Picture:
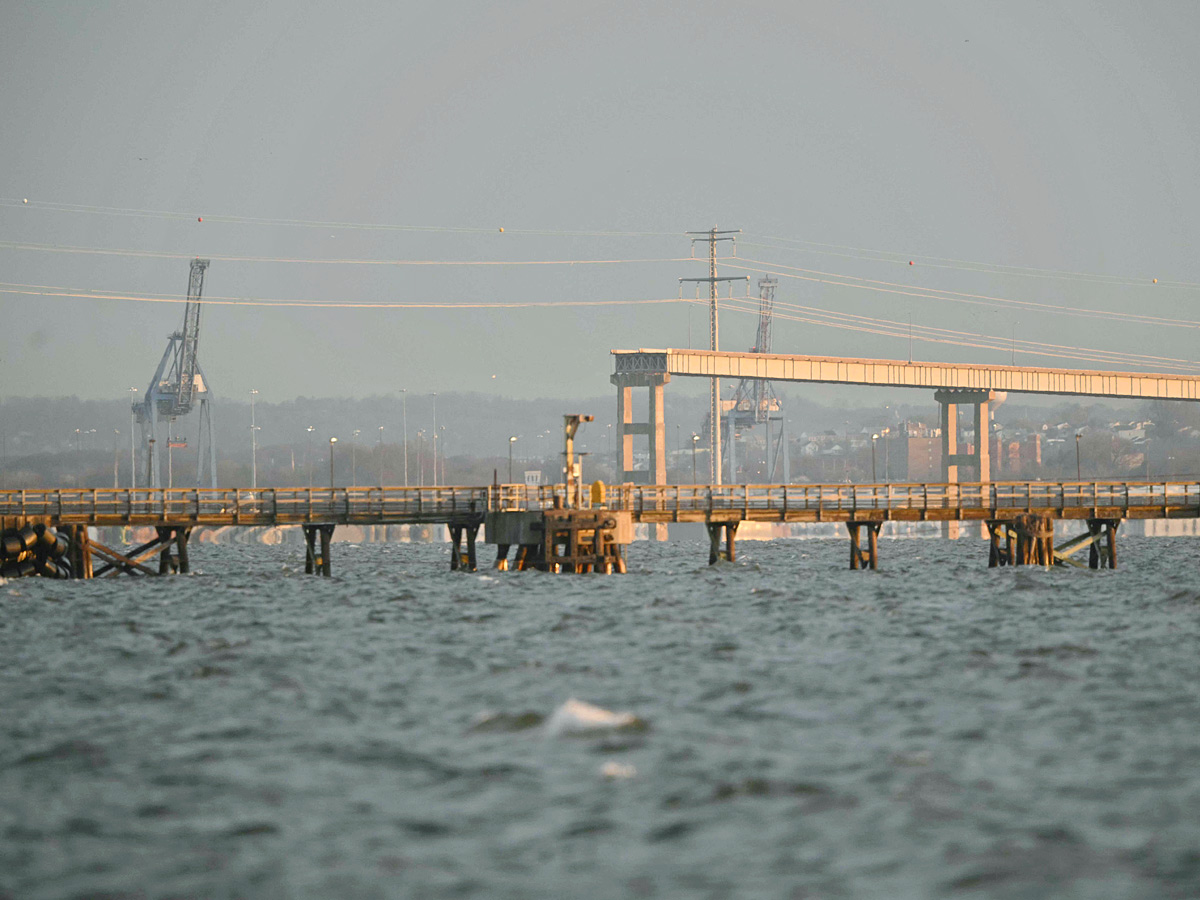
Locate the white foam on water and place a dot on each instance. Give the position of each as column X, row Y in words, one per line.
column 577, row 717
column 615, row 771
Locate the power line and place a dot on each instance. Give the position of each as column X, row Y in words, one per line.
column 898, row 257
column 162, row 254
column 51, row 291
column 51, row 206
column 891, row 287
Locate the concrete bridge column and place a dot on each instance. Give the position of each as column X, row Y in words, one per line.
column 655, row 429
column 978, row 460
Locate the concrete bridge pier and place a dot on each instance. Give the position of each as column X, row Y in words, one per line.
column 655, row 430
column 949, row 400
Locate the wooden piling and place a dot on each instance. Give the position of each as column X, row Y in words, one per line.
column 326, row 559
column 472, row 533
column 455, row 547
column 181, row 546
column 714, row 542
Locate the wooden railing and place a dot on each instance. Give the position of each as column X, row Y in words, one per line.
column 364, row 505
column 1007, row 495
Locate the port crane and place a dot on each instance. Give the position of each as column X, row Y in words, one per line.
column 755, row 401
column 179, row 386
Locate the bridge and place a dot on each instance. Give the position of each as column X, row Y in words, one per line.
column 1015, row 512
column 955, row 384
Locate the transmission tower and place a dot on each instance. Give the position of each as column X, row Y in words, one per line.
column 177, row 386
column 712, row 236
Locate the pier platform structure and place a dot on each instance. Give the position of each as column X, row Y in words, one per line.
column 557, row 528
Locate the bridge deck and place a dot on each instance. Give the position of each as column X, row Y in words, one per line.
column 899, row 373
column 646, row 503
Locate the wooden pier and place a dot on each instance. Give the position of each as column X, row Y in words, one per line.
column 555, row 527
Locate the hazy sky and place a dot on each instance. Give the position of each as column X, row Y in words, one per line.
column 1058, row 135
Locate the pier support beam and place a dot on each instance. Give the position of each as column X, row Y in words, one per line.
column 715, row 530
column 459, row 559
column 318, row 562
column 859, row 558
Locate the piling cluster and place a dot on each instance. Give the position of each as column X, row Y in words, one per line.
column 34, row 550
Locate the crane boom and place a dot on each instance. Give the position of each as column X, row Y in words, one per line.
column 186, row 360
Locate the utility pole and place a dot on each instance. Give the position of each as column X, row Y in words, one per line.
column 712, row 236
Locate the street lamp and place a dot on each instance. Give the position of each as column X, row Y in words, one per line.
column 512, row 439
column 695, row 441
column 353, row 460
column 332, row 441
column 308, row 455
column 253, row 443
column 132, row 439
column 421, row 457
column 435, row 432
column 381, row 456
column 404, row 410
column 442, row 444
column 1078, row 466
column 874, row 438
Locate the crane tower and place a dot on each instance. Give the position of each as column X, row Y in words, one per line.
column 755, row 402
column 178, row 386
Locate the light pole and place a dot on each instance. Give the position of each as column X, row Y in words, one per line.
column 132, row 439
column 404, row 411
column 421, row 457
column 253, row 443
column 332, row 441
column 78, row 459
column 511, row 440
column 170, row 453
column 695, row 441
column 442, row 444
column 381, row 456
column 116, row 460
column 435, row 438
column 308, row 454
column 874, row 438
column 1078, row 466
column 353, row 460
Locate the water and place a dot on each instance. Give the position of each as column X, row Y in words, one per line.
column 934, row 729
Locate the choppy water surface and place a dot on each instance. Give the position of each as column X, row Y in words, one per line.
column 933, row 729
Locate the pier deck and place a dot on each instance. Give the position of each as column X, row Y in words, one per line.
column 645, row 503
